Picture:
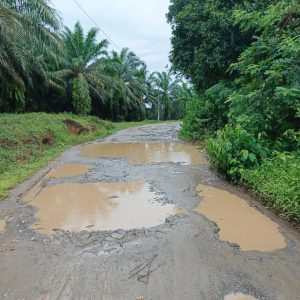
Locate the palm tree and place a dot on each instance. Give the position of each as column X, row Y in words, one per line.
column 165, row 90
column 182, row 94
column 27, row 35
column 83, row 67
column 128, row 73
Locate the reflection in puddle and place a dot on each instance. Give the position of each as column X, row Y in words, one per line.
column 239, row 296
column 238, row 222
column 144, row 153
column 97, row 206
column 69, row 170
column 2, row 225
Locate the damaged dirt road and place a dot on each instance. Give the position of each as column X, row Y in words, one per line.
column 139, row 215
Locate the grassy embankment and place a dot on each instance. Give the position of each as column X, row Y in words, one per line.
column 277, row 182
column 29, row 141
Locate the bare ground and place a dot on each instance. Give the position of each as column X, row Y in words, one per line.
column 181, row 259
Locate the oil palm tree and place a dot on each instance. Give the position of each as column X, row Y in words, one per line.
column 182, row 94
column 128, row 73
column 83, row 67
column 165, row 88
column 27, row 35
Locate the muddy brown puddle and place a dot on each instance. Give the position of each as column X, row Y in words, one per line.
column 145, row 153
column 69, row 170
column 98, row 206
column 238, row 222
column 239, row 296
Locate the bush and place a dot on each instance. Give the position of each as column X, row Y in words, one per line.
column 207, row 114
column 277, row 180
column 235, row 149
column 194, row 125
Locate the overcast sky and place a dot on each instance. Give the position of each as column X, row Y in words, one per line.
column 137, row 24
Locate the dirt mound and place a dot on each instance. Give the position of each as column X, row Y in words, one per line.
column 76, row 128
column 48, row 139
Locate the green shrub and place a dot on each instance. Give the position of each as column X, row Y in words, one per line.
column 289, row 141
column 207, row 114
column 194, row 125
column 277, row 180
column 235, row 149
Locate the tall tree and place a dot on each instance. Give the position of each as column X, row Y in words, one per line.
column 165, row 88
column 128, row 73
column 24, row 24
column 83, row 67
column 182, row 95
column 205, row 39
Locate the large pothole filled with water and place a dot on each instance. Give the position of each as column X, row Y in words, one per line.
column 77, row 207
column 145, row 153
column 69, row 170
column 238, row 222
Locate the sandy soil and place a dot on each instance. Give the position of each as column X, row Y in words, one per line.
column 183, row 258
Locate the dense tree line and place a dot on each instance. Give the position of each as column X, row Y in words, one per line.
column 45, row 66
column 243, row 57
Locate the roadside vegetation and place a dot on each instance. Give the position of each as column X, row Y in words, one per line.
column 29, row 141
column 243, row 58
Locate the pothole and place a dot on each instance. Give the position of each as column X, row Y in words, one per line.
column 98, row 206
column 239, row 296
column 238, row 222
column 145, row 153
column 69, row 170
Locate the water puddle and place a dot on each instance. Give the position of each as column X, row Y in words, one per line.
column 98, row 206
column 144, row 153
column 238, row 222
column 2, row 225
column 239, row 296
column 69, row 170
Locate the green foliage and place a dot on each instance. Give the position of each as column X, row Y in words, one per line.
column 206, row 114
column 183, row 93
column 277, row 181
column 235, row 149
column 269, row 76
column 166, row 90
column 205, row 39
column 82, row 67
column 125, row 95
column 24, row 23
column 195, row 121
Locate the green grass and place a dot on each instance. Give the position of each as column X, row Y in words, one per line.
column 29, row 141
column 277, row 181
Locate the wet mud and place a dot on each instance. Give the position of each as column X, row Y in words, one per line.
column 145, row 153
column 238, row 222
column 98, row 206
column 239, row 296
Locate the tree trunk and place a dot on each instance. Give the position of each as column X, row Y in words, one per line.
column 158, row 110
